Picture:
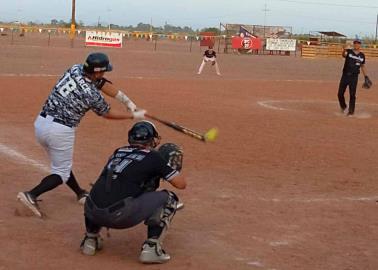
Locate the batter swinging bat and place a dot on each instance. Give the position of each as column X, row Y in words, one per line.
column 209, row 136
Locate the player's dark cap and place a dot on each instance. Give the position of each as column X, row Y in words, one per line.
column 357, row 41
column 97, row 62
column 143, row 132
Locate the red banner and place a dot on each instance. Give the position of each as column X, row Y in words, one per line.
column 207, row 39
column 247, row 43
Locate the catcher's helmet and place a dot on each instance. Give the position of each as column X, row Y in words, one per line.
column 97, row 62
column 144, row 132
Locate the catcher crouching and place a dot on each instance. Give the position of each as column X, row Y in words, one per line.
column 125, row 194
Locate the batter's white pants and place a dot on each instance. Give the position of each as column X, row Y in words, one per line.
column 58, row 141
column 205, row 59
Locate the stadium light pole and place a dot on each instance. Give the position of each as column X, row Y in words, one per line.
column 376, row 31
column 73, row 26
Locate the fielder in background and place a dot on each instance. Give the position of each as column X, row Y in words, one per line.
column 76, row 92
column 125, row 194
column 209, row 56
column 354, row 61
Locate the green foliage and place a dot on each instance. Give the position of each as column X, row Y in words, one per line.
column 214, row 30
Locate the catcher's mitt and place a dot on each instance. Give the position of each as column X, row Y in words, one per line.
column 367, row 83
column 172, row 154
column 213, row 63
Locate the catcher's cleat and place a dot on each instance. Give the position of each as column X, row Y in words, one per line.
column 30, row 202
column 82, row 197
column 153, row 253
column 90, row 244
column 179, row 206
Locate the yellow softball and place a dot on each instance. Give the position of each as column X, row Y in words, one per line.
column 211, row 135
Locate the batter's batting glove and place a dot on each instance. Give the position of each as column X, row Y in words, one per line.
column 139, row 114
column 367, row 83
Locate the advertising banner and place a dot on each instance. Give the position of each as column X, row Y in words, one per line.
column 103, row 39
column 275, row 44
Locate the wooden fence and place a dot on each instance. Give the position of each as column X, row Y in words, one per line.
column 312, row 51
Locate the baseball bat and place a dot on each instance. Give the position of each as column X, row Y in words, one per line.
column 208, row 136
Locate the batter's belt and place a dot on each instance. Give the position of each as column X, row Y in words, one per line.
column 55, row 120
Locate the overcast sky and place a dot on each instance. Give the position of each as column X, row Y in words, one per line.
column 349, row 17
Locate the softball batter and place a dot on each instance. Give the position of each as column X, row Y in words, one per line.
column 76, row 92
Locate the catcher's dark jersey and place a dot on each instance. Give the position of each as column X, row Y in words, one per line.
column 132, row 169
column 73, row 95
column 353, row 62
column 210, row 54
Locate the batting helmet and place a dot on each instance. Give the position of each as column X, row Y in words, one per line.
column 144, row 132
column 97, row 62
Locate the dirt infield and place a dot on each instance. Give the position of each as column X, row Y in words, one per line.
column 290, row 183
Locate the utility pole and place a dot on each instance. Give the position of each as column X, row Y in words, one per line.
column 265, row 11
column 73, row 25
column 109, row 10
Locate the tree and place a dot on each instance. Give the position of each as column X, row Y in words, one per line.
column 214, row 30
column 54, row 21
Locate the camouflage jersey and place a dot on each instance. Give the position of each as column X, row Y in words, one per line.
column 73, row 95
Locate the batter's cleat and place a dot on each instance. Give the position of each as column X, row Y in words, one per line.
column 153, row 253
column 82, row 197
column 90, row 244
column 30, row 202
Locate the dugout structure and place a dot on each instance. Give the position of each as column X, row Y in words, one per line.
column 326, row 37
column 230, row 30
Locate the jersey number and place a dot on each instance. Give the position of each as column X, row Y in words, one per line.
column 120, row 165
column 68, row 85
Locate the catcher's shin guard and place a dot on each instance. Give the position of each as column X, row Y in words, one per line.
column 163, row 216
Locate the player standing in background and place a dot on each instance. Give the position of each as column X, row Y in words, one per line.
column 209, row 56
column 125, row 194
column 354, row 61
column 76, row 92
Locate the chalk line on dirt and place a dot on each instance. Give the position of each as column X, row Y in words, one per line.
column 54, row 75
column 322, row 200
column 279, row 105
column 19, row 157
column 152, row 77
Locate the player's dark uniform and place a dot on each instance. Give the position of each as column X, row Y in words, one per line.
column 351, row 70
column 210, row 54
column 124, row 195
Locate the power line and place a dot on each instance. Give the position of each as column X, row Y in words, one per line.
column 327, row 4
